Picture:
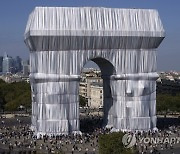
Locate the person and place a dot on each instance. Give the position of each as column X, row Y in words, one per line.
column 72, row 150
column 79, row 149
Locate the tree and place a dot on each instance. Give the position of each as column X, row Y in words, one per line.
column 112, row 144
column 12, row 95
column 168, row 103
column 82, row 101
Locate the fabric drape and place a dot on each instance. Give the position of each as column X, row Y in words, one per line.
column 62, row 40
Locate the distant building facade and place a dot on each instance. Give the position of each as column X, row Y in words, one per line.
column 90, row 83
column 1, row 63
column 8, row 66
column 26, row 69
column 18, row 64
column 96, row 95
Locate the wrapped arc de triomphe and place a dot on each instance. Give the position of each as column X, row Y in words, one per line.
column 122, row 42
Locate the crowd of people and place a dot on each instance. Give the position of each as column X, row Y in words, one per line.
column 16, row 136
column 159, row 141
column 20, row 139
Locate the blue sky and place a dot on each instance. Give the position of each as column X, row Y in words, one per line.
column 14, row 15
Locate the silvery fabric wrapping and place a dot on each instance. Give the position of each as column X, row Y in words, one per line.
column 122, row 42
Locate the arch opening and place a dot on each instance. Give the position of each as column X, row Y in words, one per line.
column 95, row 83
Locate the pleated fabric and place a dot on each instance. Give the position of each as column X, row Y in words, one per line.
column 122, row 42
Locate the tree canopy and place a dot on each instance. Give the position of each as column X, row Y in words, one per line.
column 82, row 101
column 112, row 144
column 12, row 95
column 168, row 103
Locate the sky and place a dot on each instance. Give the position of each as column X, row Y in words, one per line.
column 14, row 15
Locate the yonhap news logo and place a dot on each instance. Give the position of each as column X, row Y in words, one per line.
column 129, row 140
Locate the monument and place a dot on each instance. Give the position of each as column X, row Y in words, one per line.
column 122, row 42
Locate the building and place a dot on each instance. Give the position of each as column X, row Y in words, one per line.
column 83, row 90
column 85, row 86
column 18, row 64
column 126, row 56
column 1, row 63
column 26, row 68
column 8, row 66
column 96, row 95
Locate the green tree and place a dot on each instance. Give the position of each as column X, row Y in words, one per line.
column 82, row 101
column 12, row 95
column 112, row 144
column 168, row 103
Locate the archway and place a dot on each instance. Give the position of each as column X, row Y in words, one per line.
column 107, row 70
column 61, row 40
column 96, row 89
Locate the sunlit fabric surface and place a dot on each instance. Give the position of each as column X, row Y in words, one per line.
column 122, row 42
